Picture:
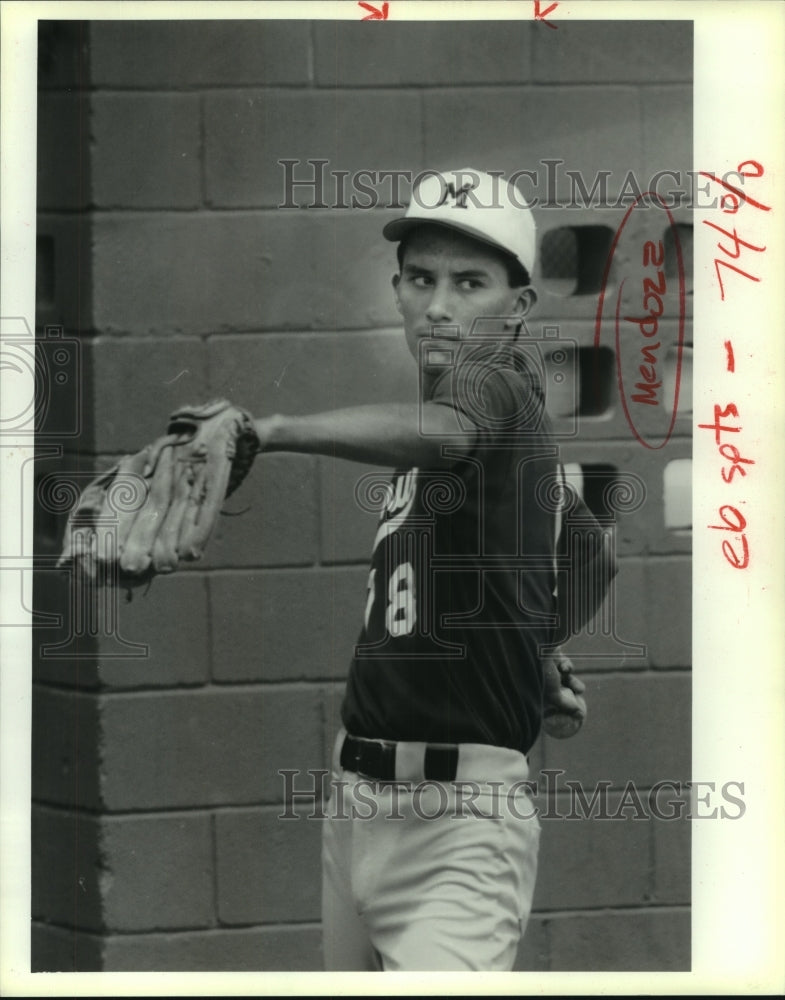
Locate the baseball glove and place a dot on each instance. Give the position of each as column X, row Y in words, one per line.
column 158, row 507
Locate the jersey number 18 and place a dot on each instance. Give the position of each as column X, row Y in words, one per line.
column 401, row 615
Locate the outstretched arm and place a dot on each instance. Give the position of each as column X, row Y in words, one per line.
column 392, row 434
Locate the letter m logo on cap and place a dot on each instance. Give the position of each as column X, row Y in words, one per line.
column 459, row 196
column 492, row 211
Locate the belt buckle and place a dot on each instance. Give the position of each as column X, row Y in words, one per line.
column 355, row 756
column 367, row 757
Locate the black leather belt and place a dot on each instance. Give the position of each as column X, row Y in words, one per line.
column 376, row 759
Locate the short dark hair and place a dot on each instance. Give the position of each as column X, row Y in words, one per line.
column 517, row 275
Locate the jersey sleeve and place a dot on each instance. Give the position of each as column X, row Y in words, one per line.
column 500, row 402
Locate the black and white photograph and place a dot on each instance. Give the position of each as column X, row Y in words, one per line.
column 394, row 413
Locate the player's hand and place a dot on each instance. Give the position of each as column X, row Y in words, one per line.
column 564, row 708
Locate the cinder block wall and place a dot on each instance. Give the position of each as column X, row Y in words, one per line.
column 157, row 742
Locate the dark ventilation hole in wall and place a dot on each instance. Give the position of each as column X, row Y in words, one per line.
column 596, row 380
column 578, row 381
column 44, row 271
column 598, row 482
column 573, row 258
column 594, row 245
column 595, row 483
column 559, row 261
column 684, row 235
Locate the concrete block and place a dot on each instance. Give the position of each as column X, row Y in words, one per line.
column 308, row 373
column 166, row 374
column 55, row 949
column 613, row 639
column 613, row 51
column 247, row 133
column 258, row 949
column 632, row 941
column 66, row 878
column 219, row 272
column 61, row 655
column 208, row 748
column 274, row 518
column 591, row 862
column 65, row 742
column 672, row 865
column 667, row 135
column 63, row 150
column 534, row 949
column 668, row 589
column 347, row 530
column 586, row 129
column 268, row 869
column 638, row 728
column 157, row 639
column 421, row 53
column 332, row 699
column 285, row 625
column 637, row 494
column 171, row 620
column 146, row 150
column 182, row 53
column 158, row 872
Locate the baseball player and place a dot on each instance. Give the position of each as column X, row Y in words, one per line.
column 430, row 848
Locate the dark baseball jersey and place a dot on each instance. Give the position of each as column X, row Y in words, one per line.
column 460, row 591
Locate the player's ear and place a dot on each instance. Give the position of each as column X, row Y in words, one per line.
column 524, row 302
column 396, row 282
column 527, row 298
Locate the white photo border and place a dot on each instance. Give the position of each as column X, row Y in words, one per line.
column 738, row 868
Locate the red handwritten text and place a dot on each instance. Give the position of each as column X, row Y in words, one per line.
column 730, row 202
column 540, row 15
column 730, row 360
column 726, row 421
column 733, row 520
column 648, row 325
column 376, row 14
column 637, row 324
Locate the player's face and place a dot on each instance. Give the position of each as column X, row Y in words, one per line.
column 450, row 280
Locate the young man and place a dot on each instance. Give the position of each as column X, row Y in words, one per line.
column 430, row 850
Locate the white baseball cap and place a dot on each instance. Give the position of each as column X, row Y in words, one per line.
column 486, row 207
